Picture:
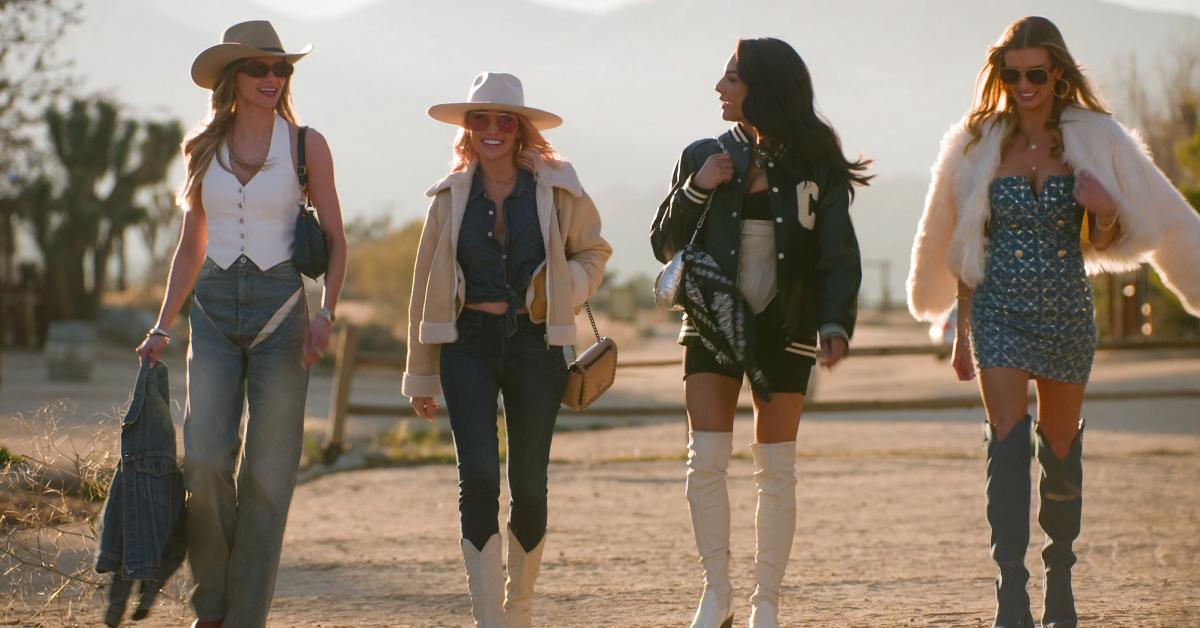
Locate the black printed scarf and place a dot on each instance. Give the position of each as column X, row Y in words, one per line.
column 716, row 308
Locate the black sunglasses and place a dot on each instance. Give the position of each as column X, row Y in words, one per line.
column 1037, row 76
column 258, row 69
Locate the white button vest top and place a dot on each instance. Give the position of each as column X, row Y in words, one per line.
column 257, row 219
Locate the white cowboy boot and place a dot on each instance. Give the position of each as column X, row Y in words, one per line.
column 708, row 499
column 523, row 570
column 774, row 525
column 485, row 581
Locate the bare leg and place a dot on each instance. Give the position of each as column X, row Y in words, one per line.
column 711, row 403
column 1059, row 405
column 777, row 420
column 1005, row 393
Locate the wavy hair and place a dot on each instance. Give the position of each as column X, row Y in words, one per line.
column 201, row 147
column 779, row 103
column 532, row 148
column 992, row 102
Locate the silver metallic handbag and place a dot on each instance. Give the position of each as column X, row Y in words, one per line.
column 670, row 279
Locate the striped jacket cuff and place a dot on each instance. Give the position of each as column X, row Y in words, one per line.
column 694, row 193
column 802, row 348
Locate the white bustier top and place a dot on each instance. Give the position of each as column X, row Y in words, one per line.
column 257, row 219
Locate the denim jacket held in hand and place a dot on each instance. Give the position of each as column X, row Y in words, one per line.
column 144, row 510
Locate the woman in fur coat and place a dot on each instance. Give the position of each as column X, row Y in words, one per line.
column 1035, row 189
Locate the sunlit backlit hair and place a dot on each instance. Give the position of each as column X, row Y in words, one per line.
column 200, row 148
column 992, row 101
column 779, row 103
column 531, row 148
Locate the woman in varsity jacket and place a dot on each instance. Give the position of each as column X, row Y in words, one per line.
column 777, row 190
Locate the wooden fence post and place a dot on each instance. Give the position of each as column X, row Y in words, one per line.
column 343, row 377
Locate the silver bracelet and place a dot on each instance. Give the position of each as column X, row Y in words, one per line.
column 158, row 331
column 326, row 314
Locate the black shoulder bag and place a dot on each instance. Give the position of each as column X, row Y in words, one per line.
column 310, row 253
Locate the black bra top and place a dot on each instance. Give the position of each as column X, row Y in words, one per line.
column 756, row 206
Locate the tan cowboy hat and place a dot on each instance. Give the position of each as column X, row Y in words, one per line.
column 256, row 38
column 494, row 91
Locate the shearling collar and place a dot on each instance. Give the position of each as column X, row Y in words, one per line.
column 561, row 175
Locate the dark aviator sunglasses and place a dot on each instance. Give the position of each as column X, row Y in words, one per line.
column 258, row 69
column 1037, row 76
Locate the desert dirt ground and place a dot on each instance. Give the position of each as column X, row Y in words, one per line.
column 891, row 533
column 891, row 527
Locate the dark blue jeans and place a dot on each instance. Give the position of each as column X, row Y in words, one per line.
column 483, row 364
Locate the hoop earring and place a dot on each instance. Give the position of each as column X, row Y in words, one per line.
column 1066, row 90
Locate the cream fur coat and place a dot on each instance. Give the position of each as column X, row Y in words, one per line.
column 1157, row 223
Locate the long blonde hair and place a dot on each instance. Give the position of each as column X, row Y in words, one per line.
column 991, row 98
column 201, row 147
column 532, row 148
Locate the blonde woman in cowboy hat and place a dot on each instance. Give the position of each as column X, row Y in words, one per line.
column 251, row 338
column 510, row 250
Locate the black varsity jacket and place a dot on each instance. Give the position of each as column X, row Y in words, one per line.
column 818, row 266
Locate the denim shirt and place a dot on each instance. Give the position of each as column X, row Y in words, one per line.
column 144, row 509
column 495, row 270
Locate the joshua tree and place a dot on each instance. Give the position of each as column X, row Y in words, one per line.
column 30, row 75
column 78, row 220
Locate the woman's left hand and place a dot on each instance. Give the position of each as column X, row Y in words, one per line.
column 317, row 341
column 1091, row 194
column 833, row 350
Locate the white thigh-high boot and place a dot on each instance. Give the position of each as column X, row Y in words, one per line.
column 523, row 570
column 774, row 525
column 708, row 499
column 485, row 581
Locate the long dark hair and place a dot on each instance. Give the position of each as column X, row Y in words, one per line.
column 779, row 103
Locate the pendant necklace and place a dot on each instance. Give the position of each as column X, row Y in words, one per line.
column 1033, row 147
column 762, row 156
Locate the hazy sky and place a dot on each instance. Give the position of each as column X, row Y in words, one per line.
column 318, row 9
column 388, row 150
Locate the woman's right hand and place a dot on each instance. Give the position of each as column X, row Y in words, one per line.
column 717, row 169
column 964, row 366
column 151, row 348
column 425, row 408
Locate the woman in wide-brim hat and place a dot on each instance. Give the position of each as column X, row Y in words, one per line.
column 510, row 250
column 251, row 338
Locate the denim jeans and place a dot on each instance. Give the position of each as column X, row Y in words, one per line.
column 247, row 336
column 482, row 364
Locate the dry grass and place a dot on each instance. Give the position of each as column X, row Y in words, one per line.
column 51, row 497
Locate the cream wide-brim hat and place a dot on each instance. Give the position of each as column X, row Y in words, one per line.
column 241, row 41
column 494, row 91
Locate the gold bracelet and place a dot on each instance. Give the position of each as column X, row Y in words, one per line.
column 964, row 297
column 1110, row 225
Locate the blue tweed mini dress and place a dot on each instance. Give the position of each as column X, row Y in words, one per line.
column 1033, row 310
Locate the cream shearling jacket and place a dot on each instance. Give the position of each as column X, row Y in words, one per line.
column 1157, row 224
column 574, row 267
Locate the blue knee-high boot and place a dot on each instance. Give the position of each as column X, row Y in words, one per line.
column 1060, row 494
column 1008, row 515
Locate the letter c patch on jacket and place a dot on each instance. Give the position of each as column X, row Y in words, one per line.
column 806, row 192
